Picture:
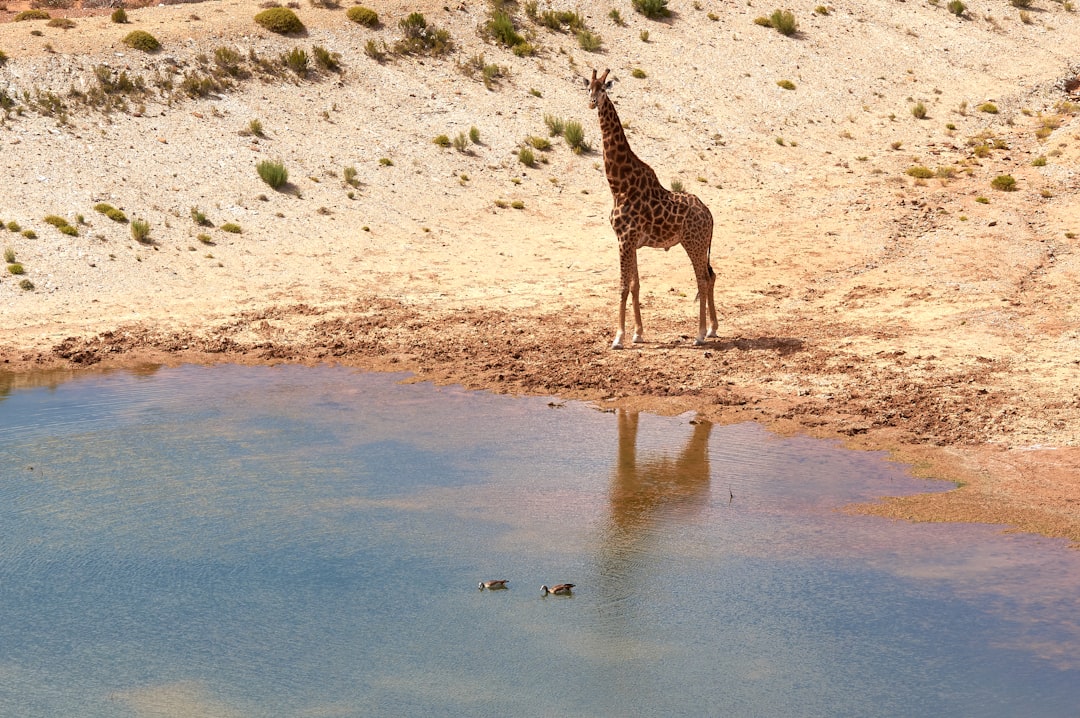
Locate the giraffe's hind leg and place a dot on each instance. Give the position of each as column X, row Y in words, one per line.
column 706, row 281
column 715, row 325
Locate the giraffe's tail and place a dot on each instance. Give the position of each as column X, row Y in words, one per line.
column 712, row 276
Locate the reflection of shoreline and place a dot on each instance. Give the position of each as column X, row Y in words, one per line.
column 53, row 378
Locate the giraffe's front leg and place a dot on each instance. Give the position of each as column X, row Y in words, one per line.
column 628, row 285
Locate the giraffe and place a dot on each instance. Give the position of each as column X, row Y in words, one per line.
column 648, row 215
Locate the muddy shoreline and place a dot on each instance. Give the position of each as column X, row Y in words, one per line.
column 1029, row 489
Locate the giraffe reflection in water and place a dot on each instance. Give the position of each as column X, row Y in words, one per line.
column 651, row 493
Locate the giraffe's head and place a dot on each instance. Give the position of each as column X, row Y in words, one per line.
column 597, row 86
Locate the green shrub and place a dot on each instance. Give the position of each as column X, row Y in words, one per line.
column 638, row 73
column 231, row 228
column 574, row 134
column 13, row 226
column 540, row 143
column 199, row 218
column 920, row 172
column 363, row 15
column 375, row 50
column 652, row 9
column 26, row 284
column 273, row 173
column 9, row 255
column 16, row 268
column 474, row 135
column 461, row 142
column 419, row 38
column 64, row 23
column 989, row 108
column 555, row 125
column 822, row 10
column 589, row 41
column 501, row 27
column 31, row 15
column 297, row 61
column 783, row 21
column 442, row 141
column 1039, row 161
column 330, row 61
column 281, row 20
column 140, row 231
column 956, row 7
column 786, row 84
column 526, row 157
column 142, row 40
column 1004, row 183
column 918, row 111
column 119, row 16
column 255, row 127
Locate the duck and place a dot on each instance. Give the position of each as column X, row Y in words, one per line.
column 562, row 589
column 495, row 584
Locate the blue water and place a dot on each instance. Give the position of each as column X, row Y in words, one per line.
column 291, row 541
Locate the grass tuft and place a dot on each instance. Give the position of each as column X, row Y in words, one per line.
column 273, row 173
column 140, row 231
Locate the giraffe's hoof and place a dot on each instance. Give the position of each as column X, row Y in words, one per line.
column 638, row 339
column 711, row 334
column 616, row 344
column 699, row 342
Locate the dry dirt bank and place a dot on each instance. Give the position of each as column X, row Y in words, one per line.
column 935, row 317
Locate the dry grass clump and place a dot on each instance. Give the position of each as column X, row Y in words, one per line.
column 61, row 224
column 783, row 21
column 111, row 212
column 281, row 20
column 64, row 23
column 489, row 73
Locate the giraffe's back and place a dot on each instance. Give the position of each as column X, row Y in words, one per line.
column 663, row 219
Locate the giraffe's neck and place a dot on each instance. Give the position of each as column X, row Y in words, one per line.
column 625, row 172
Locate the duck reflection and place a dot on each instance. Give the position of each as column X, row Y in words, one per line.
column 652, row 493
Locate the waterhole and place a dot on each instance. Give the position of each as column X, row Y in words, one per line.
column 294, row 541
